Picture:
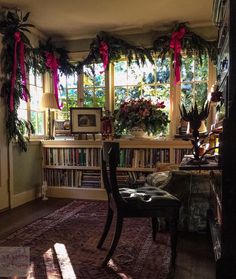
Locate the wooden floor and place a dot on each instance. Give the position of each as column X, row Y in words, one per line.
column 195, row 258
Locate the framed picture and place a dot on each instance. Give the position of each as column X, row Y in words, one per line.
column 85, row 120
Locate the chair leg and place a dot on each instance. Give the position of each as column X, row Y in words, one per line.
column 154, row 227
column 106, row 228
column 119, row 223
column 173, row 234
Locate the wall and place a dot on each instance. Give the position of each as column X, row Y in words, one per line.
column 25, row 173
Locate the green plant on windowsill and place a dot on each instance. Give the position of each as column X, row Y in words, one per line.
column 141, row 114
column 195, row 117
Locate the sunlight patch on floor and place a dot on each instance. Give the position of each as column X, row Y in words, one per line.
column 66, row 267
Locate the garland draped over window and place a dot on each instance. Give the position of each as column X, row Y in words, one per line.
column 18, row 54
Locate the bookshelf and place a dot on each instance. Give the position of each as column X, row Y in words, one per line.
column 72, row 167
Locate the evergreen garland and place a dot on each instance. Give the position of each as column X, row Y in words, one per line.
column 39, row 58
column 116, row 48
column 191, row 44
column 10, row 23
column 14, row 21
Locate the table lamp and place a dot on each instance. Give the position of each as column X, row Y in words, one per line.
column 48, row 102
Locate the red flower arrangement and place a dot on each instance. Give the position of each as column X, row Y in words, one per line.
column 142, row 114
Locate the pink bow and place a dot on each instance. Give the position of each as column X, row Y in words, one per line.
column 103, row 50
column 22, row 66
column 52, row 63
column 176, row 45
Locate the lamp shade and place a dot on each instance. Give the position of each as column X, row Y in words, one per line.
column 48, row 101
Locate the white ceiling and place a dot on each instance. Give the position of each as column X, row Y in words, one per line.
column 74, row 19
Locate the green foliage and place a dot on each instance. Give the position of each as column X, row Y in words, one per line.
column 141, row 114
column 11, row 22
column 194, row 115
column 116, row 48
column 191, row 44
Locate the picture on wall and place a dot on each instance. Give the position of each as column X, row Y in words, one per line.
column 85, row 120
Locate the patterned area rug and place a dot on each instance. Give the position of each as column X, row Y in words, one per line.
column 63, row 245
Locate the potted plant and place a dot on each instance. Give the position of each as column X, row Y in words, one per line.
column 195, row 117
column 141, row 115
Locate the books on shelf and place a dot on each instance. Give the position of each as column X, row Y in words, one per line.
column 76, row 167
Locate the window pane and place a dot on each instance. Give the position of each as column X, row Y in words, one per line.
column 39, row 80
column 187, row 69
column 163, row 95
column 31, row 78
column 120, row 95
column 72, row 81
column 134, row 92
column 37, row 120
column 62, row 80
column 187, row 94
column 120, row 76
column 201, row 70
column 200, row 93
column 163, row 70
column 135, row 74
column 99, row 98
column 88, row 97
column 22, row 113
column 94, row 75
column 147, row 71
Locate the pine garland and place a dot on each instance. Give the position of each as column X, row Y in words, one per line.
column 10, row 23
column 116, row 48
column 191, row 44
column 14, row 21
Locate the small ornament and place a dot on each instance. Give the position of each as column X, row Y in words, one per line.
column 44, row 190
column 107, row 125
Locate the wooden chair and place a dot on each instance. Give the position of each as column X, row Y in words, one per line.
column 141, row 202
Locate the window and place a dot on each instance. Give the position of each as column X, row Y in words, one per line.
column 31, row 111
column 194, row 82
column 94, row 85
column 147, row 81
column 36, row 91
column 68, row 90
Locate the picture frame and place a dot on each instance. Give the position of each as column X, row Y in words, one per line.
column 85, row 120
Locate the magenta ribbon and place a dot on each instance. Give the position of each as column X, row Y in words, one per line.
column 176, row 45
column 22, row 66
column 103, row 50
column 53, row 63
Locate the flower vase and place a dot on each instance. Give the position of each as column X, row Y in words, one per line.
column 138, row 132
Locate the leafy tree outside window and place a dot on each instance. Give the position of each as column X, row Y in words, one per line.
column 94, row 85
column 68, row 88
column 145, row 81
column 194, row 81
column 35, row 115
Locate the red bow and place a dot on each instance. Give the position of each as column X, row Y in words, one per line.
column 22, row 66
column 176, row 45
column 53, row 63
column 103, row 50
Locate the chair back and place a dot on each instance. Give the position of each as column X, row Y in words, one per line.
column 110, row 160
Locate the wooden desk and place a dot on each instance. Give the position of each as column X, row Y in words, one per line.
column 212, row 164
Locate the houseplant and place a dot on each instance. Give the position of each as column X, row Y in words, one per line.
column 195, row 117
column 141, row 115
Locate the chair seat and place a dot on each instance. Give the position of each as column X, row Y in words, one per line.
column 148, row 197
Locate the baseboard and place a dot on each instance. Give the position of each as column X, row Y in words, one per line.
column 24, row 197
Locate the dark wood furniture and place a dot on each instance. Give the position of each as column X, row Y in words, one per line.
column 140, row 202
column 212, row 164
column 225, row 16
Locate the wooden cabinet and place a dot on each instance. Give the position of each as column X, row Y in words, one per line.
column 224, row 15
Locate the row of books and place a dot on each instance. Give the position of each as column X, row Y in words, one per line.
column 148, row 157
column 72, row 156
column 72, row 178
column 179, row 154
